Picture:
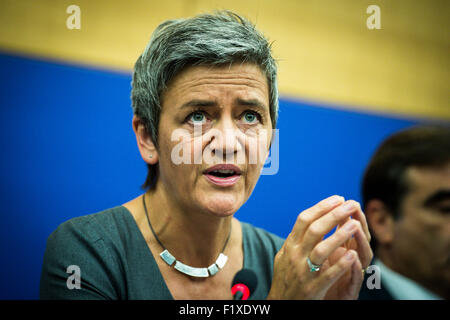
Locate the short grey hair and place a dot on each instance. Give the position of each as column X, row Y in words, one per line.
column 207, row 39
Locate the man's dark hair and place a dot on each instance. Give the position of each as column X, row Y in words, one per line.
column 384, row 178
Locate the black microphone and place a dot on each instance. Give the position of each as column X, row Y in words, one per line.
column 244, row 284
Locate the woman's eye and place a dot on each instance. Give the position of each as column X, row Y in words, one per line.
column 197, row 118
column 250, row 117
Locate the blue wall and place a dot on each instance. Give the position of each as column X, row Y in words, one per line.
column 68, row 149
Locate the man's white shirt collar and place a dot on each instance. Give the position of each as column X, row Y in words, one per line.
column 402, row 288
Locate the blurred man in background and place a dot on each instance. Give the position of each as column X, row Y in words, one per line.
column 406, row 196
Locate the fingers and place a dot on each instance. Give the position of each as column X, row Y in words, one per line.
column 292, row 276
column 306, row 217
column 320, row 227
column 334, row 272
column 363, row 237
column 356, row 280
column 364, row 250
column 325, row 247
column 361, row 217
column 350, row 228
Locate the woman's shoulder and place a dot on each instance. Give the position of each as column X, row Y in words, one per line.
column 100, row 225
column 258, row 237
column 105, row 233
column 260, row 248
column 96, row 245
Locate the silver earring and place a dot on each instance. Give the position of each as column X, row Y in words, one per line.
column 150, row 156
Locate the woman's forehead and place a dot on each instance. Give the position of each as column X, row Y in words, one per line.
column 206, row 81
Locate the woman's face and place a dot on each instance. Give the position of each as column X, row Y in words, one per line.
column 212, row 116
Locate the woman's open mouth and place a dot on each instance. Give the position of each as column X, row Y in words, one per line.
column 223, row 175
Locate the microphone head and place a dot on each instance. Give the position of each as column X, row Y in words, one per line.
column 246, row 277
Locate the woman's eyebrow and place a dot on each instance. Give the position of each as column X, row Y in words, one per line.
column 212, row 103
column 251, row 103
column 199, row 103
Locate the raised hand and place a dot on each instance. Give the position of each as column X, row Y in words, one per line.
column 341, row 257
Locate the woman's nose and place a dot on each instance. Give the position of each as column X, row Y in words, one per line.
column 226, row 139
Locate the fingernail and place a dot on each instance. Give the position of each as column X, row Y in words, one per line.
column 349, row 255
column 349, row 206
column 349, row 226
column 334, row 200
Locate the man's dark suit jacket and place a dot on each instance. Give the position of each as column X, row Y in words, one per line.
column 373, row 294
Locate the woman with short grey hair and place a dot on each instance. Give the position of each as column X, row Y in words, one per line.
column 205, row 102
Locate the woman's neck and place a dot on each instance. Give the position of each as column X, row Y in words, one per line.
column 193, row 237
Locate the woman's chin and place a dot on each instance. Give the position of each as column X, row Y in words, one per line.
column 222, row 205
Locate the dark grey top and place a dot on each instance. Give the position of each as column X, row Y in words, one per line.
column 116, row 263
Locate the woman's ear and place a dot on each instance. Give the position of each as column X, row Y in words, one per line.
column 381, row 221
column 144, row 141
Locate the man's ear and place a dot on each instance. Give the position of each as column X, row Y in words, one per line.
column 144, row 141
column 381, row 221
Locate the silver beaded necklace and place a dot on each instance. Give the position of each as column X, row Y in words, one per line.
column 184, row 268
